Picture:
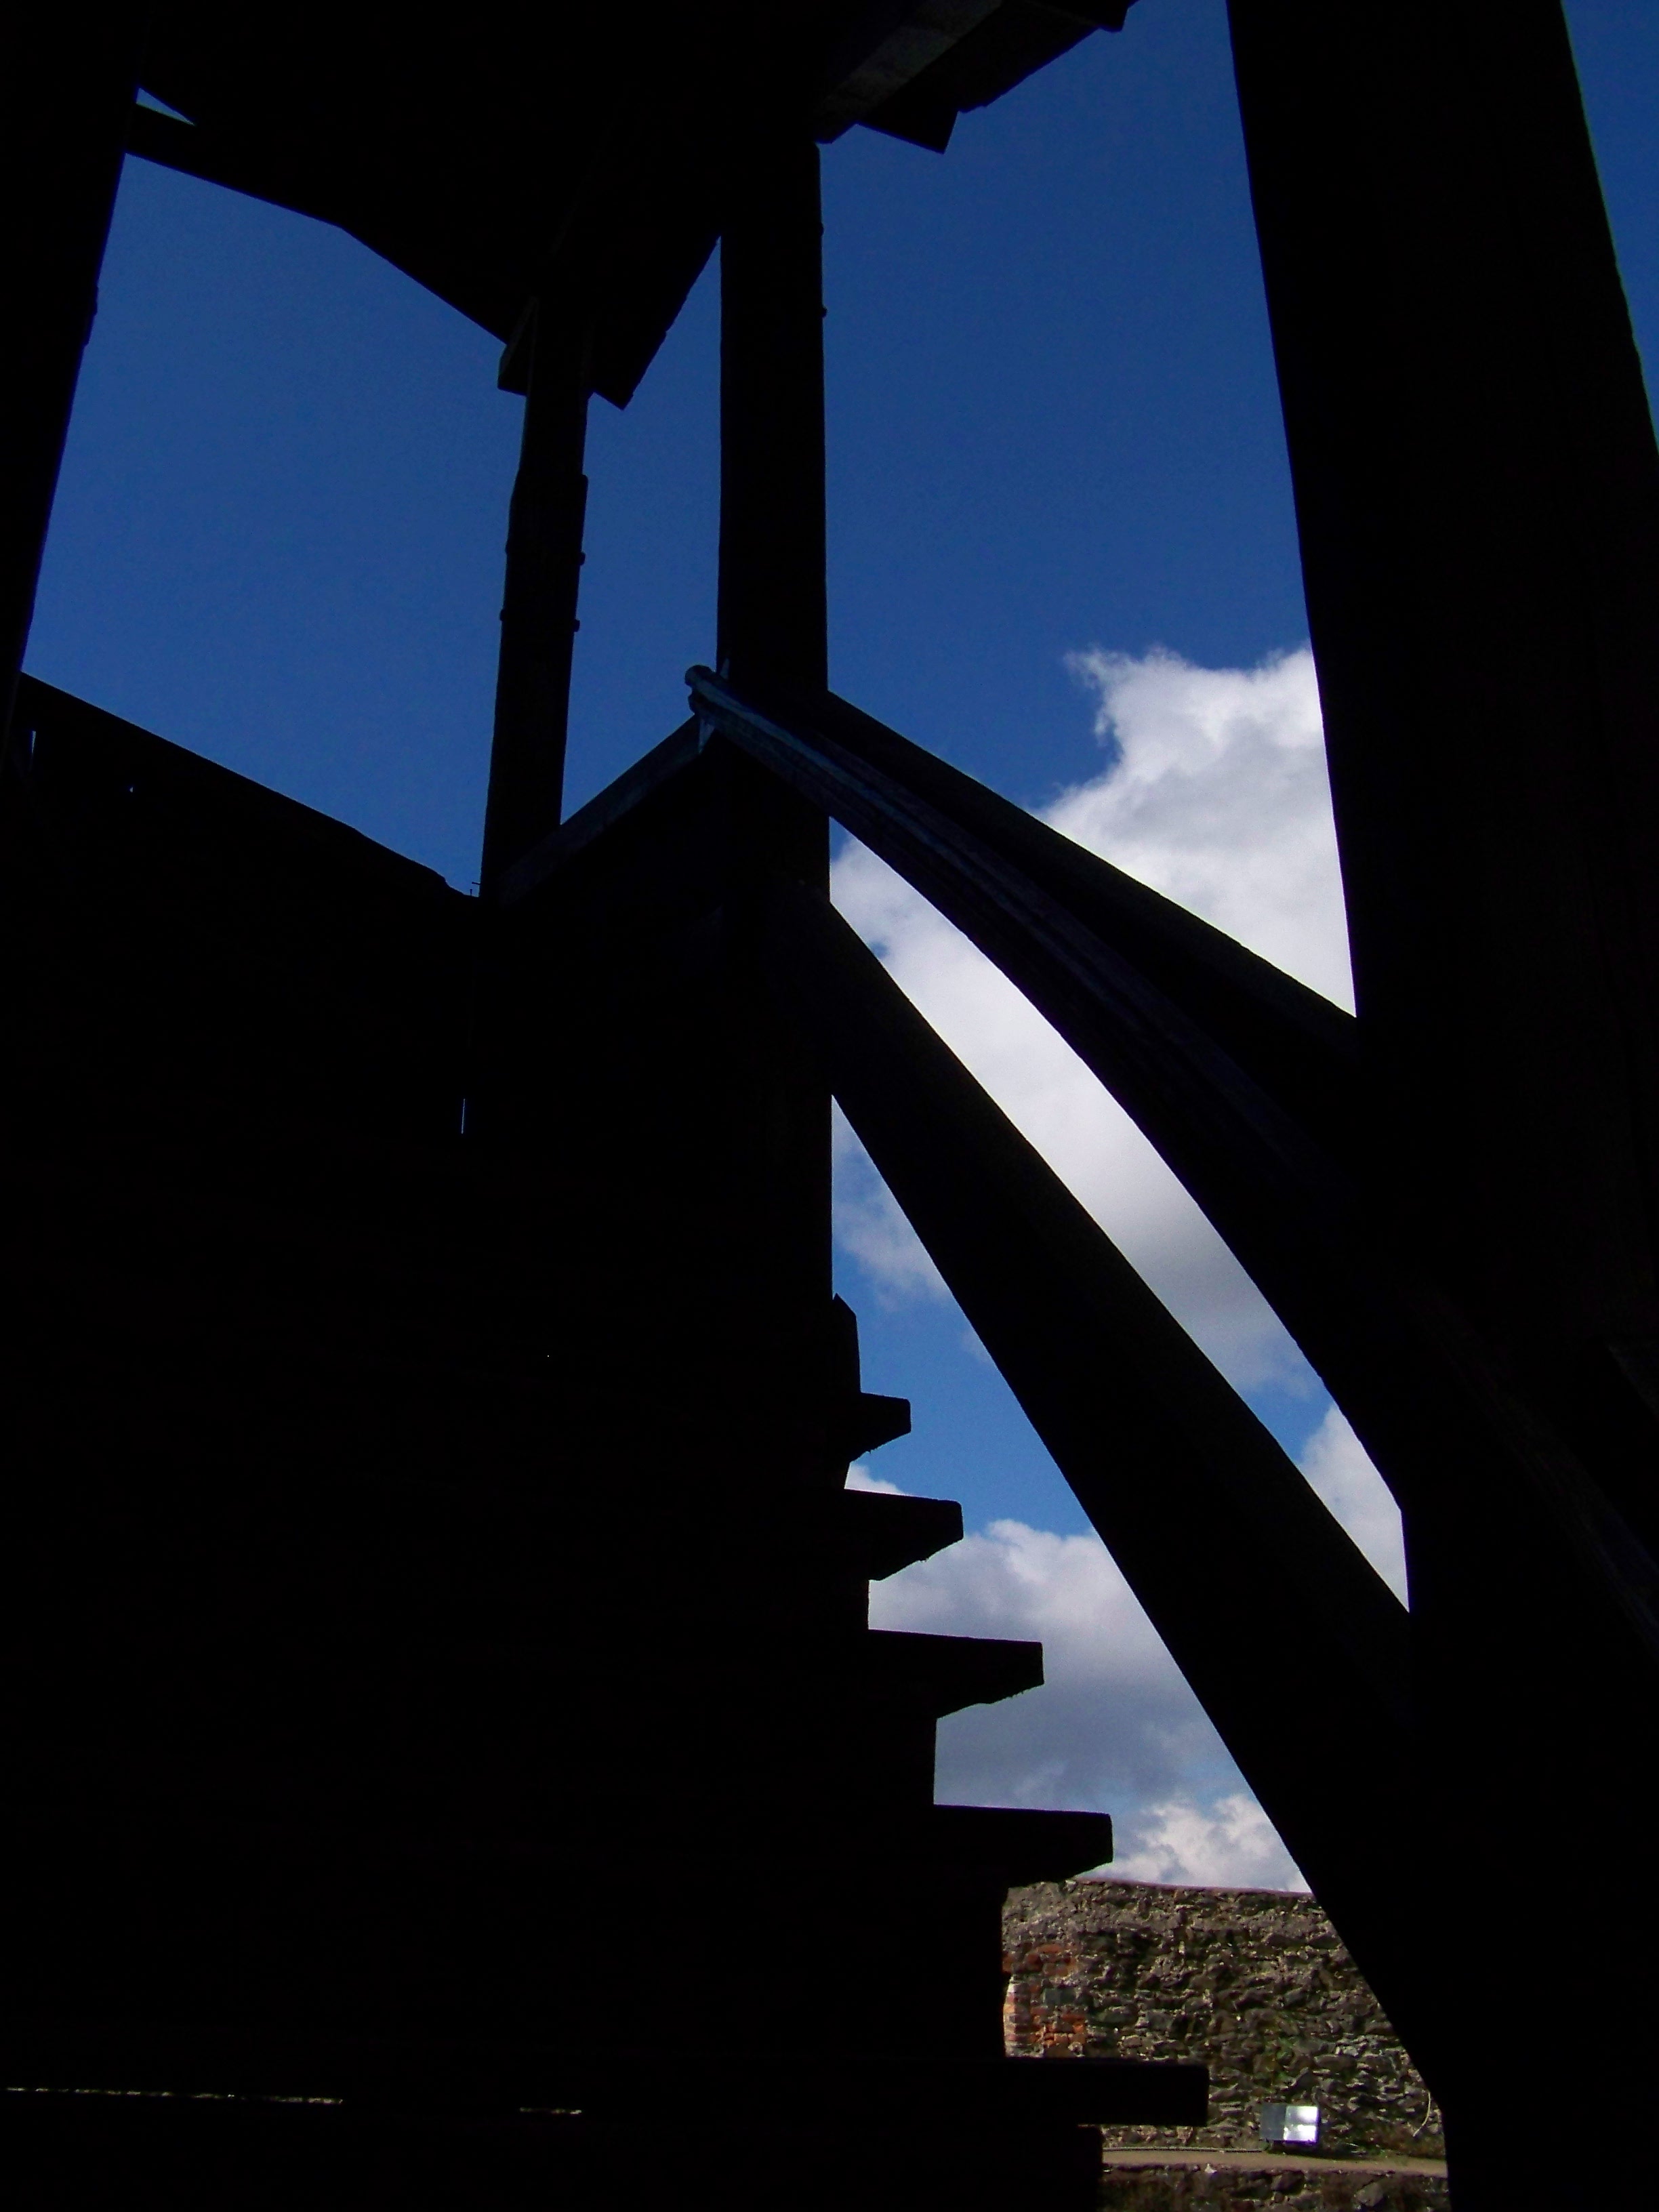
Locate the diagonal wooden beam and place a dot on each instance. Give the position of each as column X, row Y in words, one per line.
column 1301, row 1049
column 1289, row 1639
column 1535, row 1602
column 1465, row 1429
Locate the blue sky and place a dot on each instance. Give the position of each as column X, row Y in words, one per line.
column 1052, row 427
column 1052, row 423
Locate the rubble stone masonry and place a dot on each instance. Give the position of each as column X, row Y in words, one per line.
column 1252, row 1981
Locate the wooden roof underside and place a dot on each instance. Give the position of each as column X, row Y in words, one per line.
column 571, row 150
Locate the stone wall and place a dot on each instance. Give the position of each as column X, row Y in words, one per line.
column 1252, row 1981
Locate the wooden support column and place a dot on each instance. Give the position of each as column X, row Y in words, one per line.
column 772, row 612
column 539, row 607
column 1477, row 489
column 1478, row 495
column 67, row 80
column 771, row 619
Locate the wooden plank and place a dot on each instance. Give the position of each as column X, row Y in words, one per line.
column 944, row 1675
column 624, row 224
column 1022, row 1844
column 1009, row 43
column 882, row 1533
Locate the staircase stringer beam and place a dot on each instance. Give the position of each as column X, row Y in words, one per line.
column 1242, row 1570
column 1463, row 1435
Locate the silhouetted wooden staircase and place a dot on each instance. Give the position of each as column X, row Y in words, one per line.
column 450, row 1751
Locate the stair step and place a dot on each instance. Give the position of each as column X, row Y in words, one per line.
column 943, row 1674
column 882, row 1532
column 864, row 1419
column 1022, row 1845
column 868, row 1420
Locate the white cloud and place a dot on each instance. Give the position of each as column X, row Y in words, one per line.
column 1113, row 1729
column 1335, row 1463
column 860, row 1477
column 1218, row 797
column 1231, row 1844
column 1215, row 793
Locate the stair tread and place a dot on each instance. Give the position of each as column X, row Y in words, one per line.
column 884, row 1533
column 1026, row 1844
column 943, row 1674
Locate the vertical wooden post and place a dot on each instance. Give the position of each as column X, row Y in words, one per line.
column 1478, row 495
column 772, row 624
column 68, row 76
column 538, row 608
column 772, row 608
column 1477, row 490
